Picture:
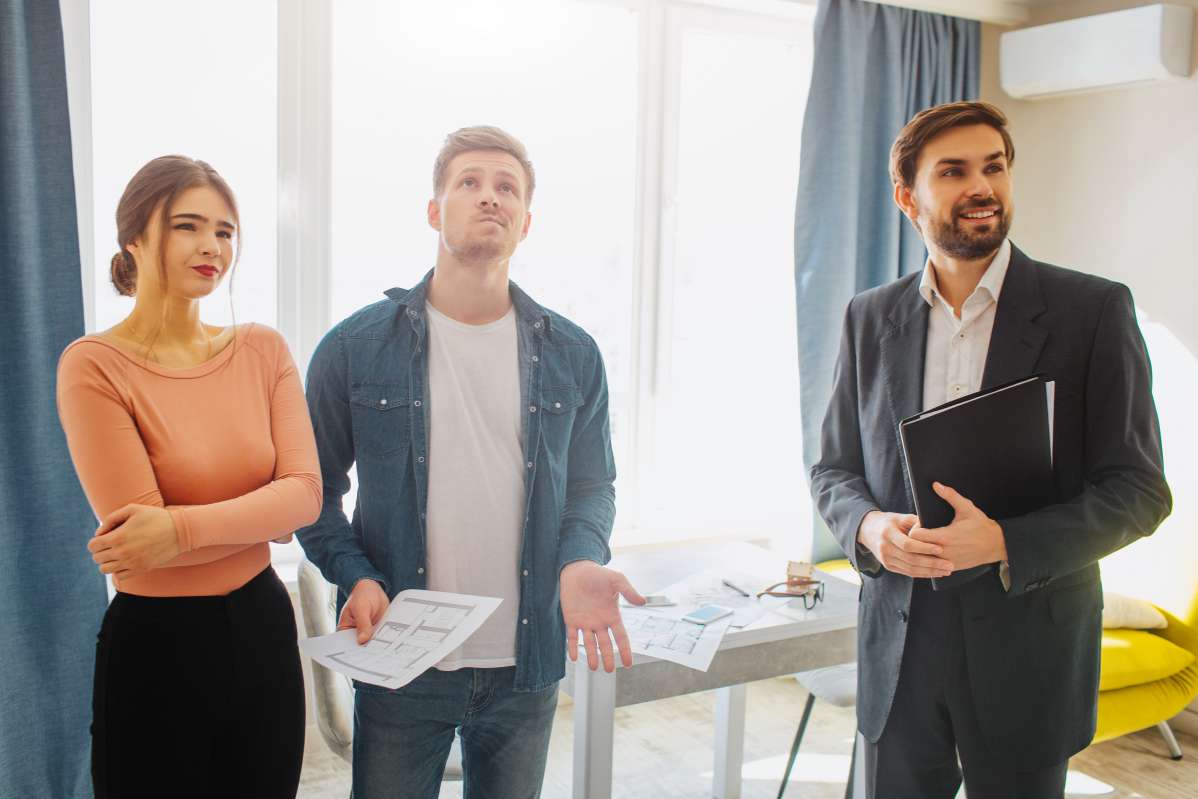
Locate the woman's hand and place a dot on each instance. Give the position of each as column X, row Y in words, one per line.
column 134, row 539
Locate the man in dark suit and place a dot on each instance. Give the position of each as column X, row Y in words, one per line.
column 997, row 677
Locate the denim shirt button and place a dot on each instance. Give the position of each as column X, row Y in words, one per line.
column 416, row 403
column 532, row 408
column 420, row 459
column 529, row 464
column 420, row 570
column 536, row 359
column 537, row 325
column 526, row 572
column 383, row 401
column 557, row 405
column 524, row 621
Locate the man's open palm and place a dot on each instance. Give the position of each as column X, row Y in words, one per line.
column 590, row 607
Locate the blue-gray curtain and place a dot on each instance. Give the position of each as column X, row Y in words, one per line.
column 51, row 595
column 875, row 67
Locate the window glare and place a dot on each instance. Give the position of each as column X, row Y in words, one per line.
column 163, row 83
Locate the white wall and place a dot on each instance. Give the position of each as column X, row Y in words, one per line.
column 1105, row 183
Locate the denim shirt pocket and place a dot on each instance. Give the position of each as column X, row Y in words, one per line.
column 560, row 405
column 381, row 419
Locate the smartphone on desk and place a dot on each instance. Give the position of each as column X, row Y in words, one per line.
column 707, row 614
column 651, row 601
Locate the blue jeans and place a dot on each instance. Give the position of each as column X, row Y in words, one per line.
column 402, row 738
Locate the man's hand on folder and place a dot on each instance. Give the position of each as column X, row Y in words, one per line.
column 973, row 538
column 886, row 536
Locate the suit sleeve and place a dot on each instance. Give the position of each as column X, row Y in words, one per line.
column 1125, row 495
column 838, row 479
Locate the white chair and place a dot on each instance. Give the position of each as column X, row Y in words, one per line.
column 836, row 685
column 334, row 692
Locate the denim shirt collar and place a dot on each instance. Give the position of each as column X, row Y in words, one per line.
column 528, row 311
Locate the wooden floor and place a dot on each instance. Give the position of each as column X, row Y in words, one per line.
column 664, row 750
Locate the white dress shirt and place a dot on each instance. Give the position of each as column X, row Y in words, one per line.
column 956, row 349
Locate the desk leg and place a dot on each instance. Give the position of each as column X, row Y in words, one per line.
column 729, row 741
column 594, row 720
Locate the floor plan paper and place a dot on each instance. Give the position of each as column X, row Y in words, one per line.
column 418, row 630
column 665, row 636
column 708, row 588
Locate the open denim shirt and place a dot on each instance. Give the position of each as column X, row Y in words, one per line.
column 368, row 395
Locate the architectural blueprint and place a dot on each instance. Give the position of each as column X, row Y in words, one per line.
column 710, row 587
column 665, row 636
column 419, row 629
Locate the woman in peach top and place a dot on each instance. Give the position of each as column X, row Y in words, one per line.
column 194, row 447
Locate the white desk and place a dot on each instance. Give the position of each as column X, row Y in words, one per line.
column 772, row 646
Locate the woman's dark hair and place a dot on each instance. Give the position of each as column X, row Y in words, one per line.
column 155, row 186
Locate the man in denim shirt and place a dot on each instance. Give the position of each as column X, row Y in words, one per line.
column 479, row 424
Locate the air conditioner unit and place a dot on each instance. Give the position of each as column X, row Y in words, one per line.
column 1106, row 51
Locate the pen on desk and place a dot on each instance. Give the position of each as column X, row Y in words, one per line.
column 736, row 588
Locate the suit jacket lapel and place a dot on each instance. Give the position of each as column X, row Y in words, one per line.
column 903, row 347
column 1016, row 342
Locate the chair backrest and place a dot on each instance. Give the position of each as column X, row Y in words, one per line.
column 334, row 693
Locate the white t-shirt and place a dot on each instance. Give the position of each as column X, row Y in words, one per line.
column 476, row 476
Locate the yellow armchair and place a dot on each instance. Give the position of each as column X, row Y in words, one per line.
column 1162, row 569
column 1137, row 707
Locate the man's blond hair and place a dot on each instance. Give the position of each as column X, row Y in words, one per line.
column 481, row 137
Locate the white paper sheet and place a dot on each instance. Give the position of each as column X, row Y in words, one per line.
column 666, row 636
column 418, row 630
column 661, row 633
column 708, row 588
column 1050, row 393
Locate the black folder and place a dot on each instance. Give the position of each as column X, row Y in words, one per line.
column 994, row 447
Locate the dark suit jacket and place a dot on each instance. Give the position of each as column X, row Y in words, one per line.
column 1032, row 652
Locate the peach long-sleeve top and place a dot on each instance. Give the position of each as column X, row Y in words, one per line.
column 226, row 446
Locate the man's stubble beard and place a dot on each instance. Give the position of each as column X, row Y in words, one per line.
column 959, row 243
column 479, row 251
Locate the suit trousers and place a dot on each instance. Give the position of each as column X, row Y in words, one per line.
column 932, row 736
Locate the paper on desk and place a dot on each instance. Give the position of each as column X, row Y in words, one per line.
column 662, row 634
column 707, row 588
column 418, row 630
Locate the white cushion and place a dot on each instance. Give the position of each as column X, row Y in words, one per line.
column 836, row 685
column 1128, row 613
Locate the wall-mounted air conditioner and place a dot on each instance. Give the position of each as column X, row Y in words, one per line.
column 1106, row 51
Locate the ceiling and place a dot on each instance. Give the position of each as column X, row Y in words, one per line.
column 1001, row 12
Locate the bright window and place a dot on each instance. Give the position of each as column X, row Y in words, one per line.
column 665, row 136
column 727, row 427
column 197, row 81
